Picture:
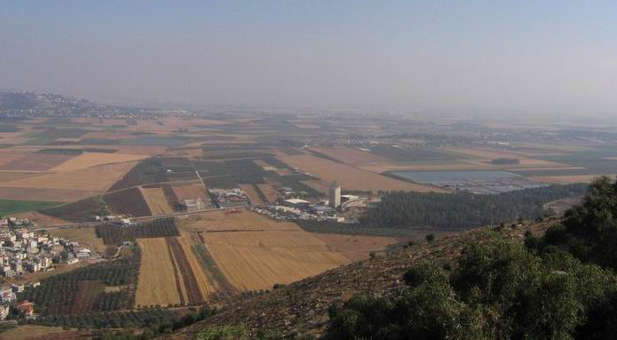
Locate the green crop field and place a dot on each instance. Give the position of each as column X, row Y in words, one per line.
column 13, row 206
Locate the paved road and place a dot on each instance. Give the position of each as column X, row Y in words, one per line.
column 139, row 219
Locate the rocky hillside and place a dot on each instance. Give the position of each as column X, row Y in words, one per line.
column 302, row 307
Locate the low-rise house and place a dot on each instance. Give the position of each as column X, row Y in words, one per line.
column 4, row 311
column 17, row 288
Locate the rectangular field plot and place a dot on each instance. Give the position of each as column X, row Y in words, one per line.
column 157, row 202
column 253, row 260
column 156, row 284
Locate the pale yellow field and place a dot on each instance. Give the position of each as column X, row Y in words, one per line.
column 244, row 220
column 86, row 236
column 254, row 260
column 348, row 177
column 90, row 159
column 98, row 178
column 155, row 198
column 156, row 284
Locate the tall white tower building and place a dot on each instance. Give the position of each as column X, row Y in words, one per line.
column 335, row 195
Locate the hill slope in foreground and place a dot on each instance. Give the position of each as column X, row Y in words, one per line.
column 302, row 307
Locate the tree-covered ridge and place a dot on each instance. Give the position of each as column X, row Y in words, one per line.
column 559, row 286
column 463, row 209
column 588, row 231
column 496, row 291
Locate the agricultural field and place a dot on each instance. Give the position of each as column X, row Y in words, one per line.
column 170, row 274
column 11, row 207
column 252, row 192
column 269, row 191
column 36, row 161
column 78, row 211
column 190, row 191
column 352, row 156
column 156, row 284
column 349, row 177
column 253, row 260
column 254, row 252
column 91, row 159
column 93, row 179
column 156, row 200
column 127, row 202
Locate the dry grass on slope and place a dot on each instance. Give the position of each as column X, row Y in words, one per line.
column 301, row 307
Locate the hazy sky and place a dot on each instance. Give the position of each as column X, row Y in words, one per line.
column 493, row 58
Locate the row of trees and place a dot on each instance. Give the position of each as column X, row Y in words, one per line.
column 161, row 227
column 463, row 209
column 154, row 321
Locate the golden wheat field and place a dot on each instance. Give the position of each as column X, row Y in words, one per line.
column 253, row 260
column 97, row 178
column 156, row 284
column 155, row 198
column 90, row 159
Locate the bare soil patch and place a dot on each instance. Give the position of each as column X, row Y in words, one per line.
column 355, row 247
column 36, row 161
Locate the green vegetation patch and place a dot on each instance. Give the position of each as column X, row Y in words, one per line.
column 463, row 209
column 79, row 211
column 62, row 151
column 8, row 207
column 113, row 235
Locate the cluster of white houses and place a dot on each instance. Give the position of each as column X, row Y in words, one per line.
column 24, row 251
